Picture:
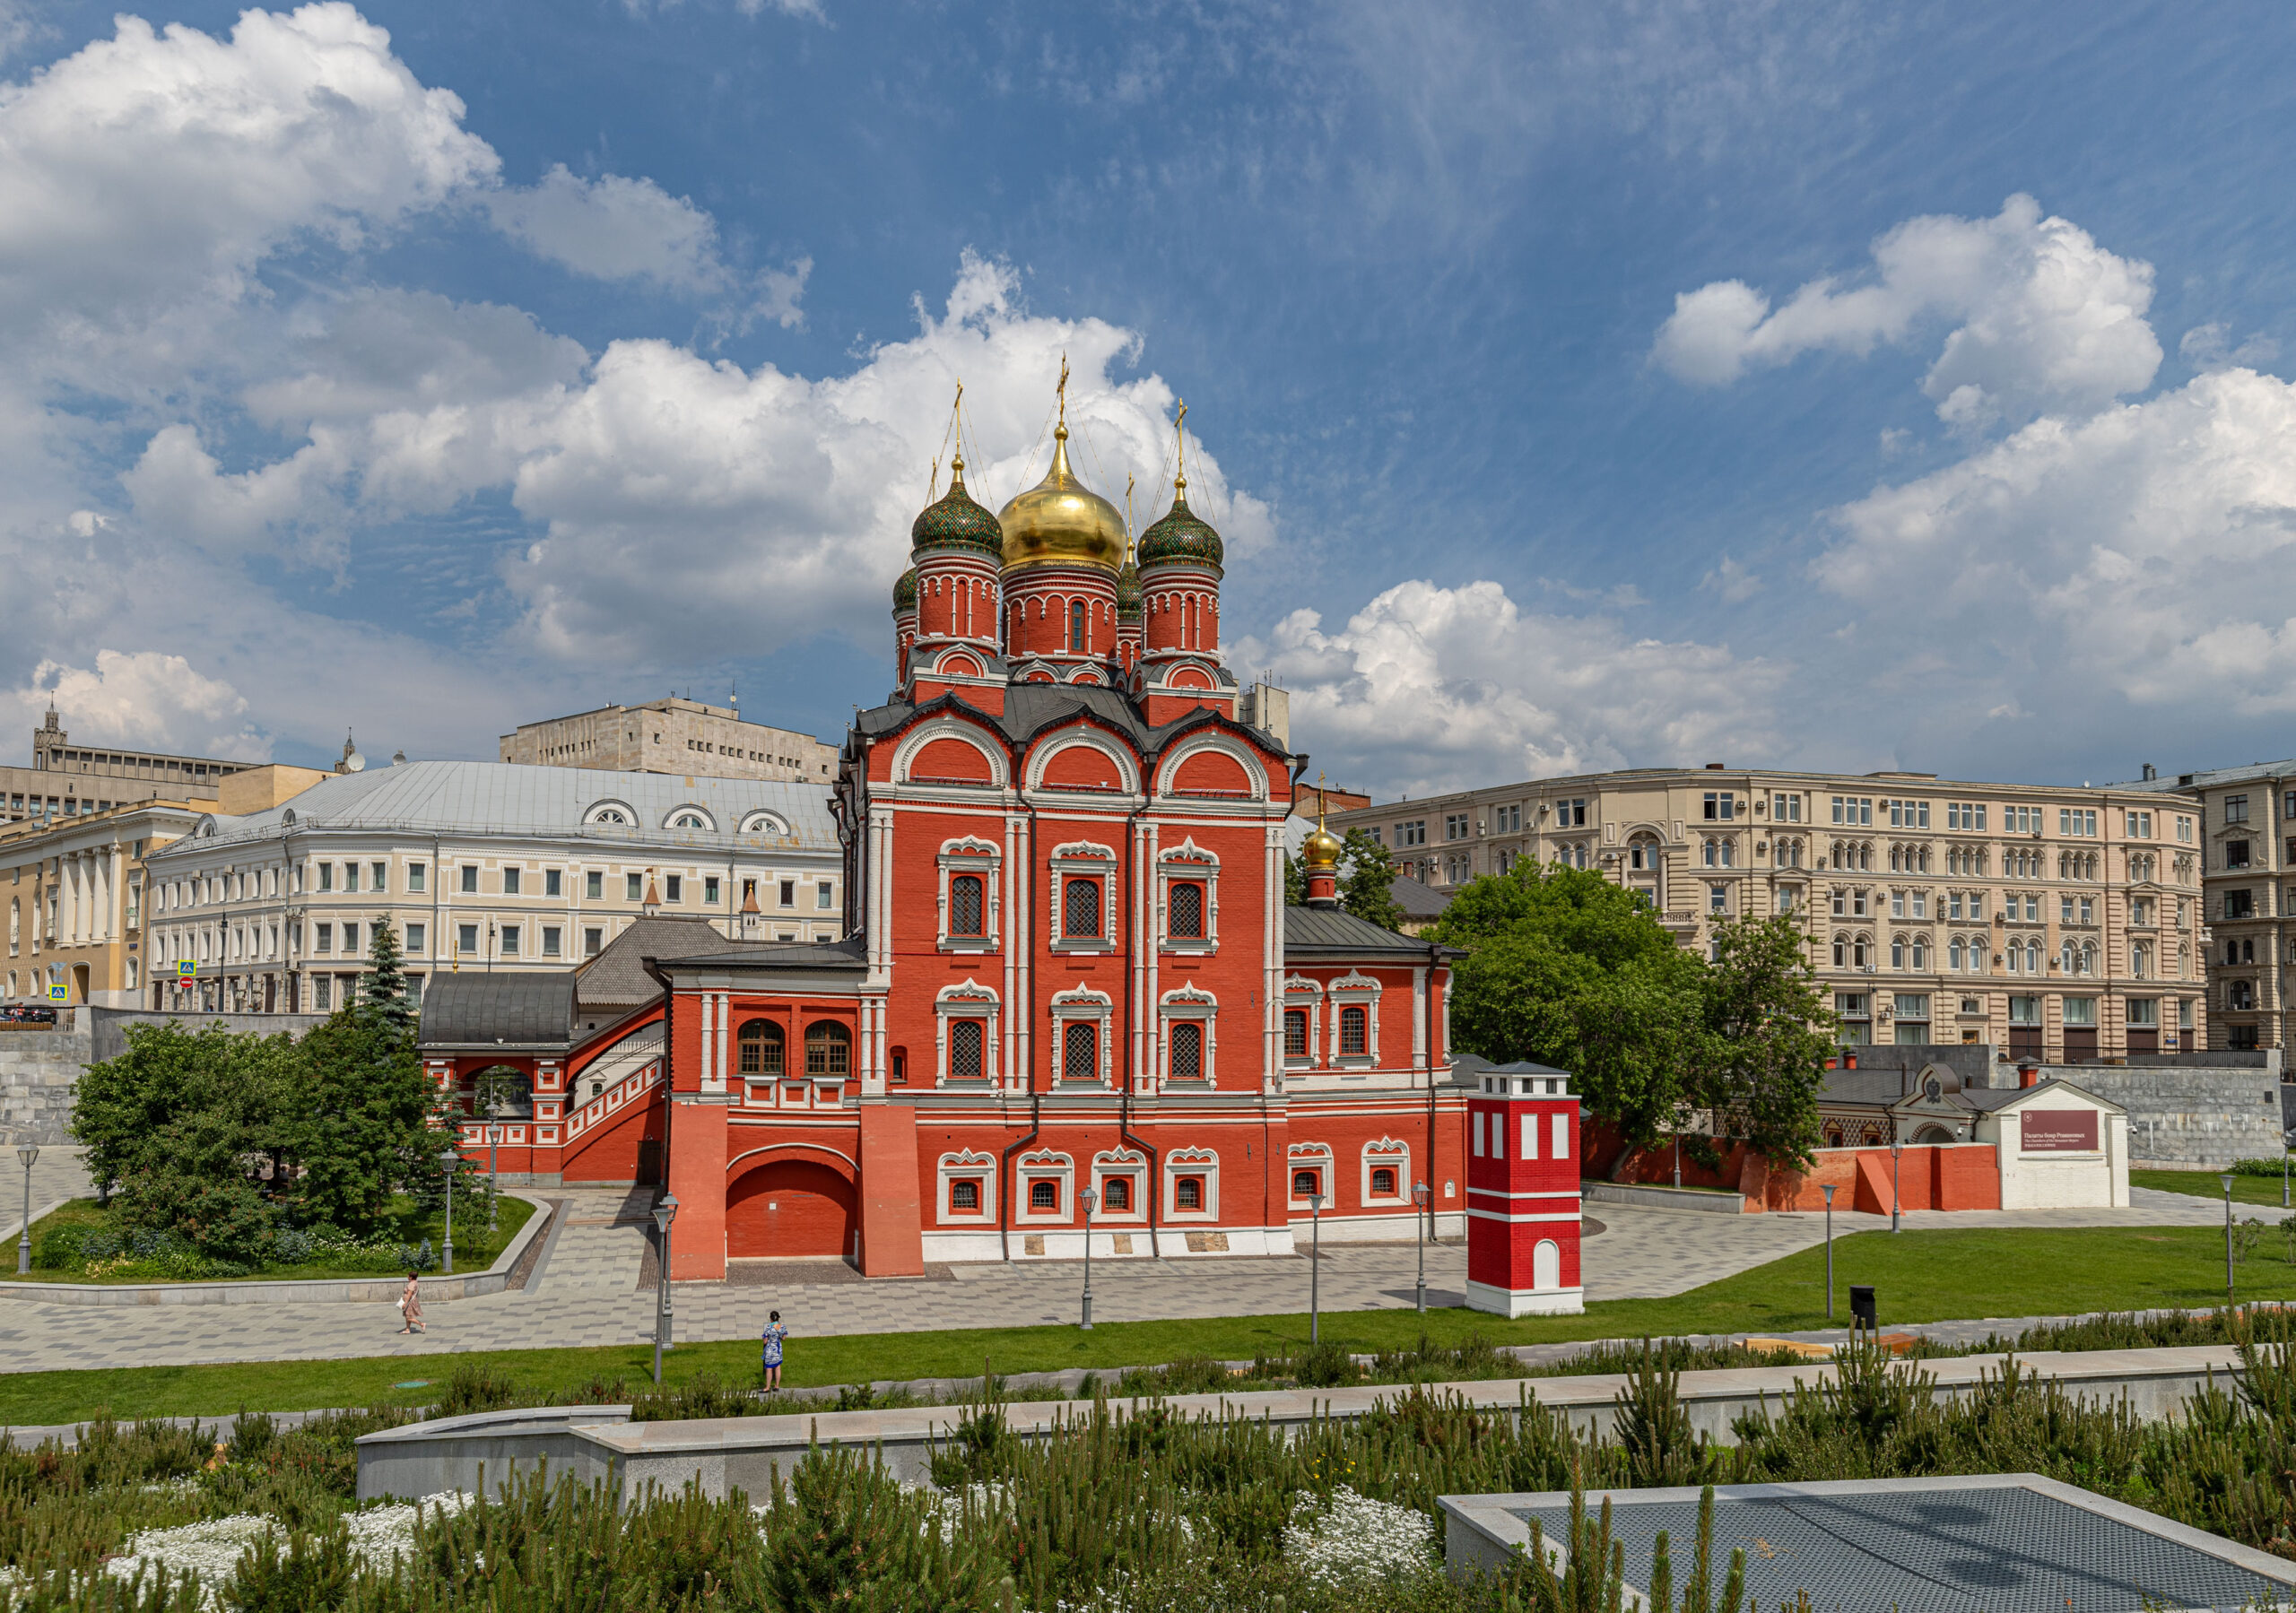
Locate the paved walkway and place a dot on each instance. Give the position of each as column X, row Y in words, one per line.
column 587, row 1290
column 58, row 1175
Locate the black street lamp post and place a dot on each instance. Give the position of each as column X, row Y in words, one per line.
column 1091, row 1201
column 665, row 1213
column 1420, row 1194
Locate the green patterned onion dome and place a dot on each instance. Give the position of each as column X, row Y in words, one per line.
column 956, row 522
column 1127, row 594
column 904, row 591
column 1180, row 536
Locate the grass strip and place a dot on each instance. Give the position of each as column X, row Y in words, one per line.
column 476, row 1247
column 1926, row 1276
column 2263, row 1192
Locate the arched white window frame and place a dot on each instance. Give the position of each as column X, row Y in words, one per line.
column 612, row 814
column 1132, row 1165
column 1354, row 990
column 705, row 821
column 1191, row 1005
column 1306, row 994
column 914, row 742
column 1127, row 771
column 1188, row 862
column 1192, row 1162
column 1383, row 1153
column 966, row 1000
column 1083, row 859
column 1309, row 1156
column 1042, row 1165
column 968, row 1165
column 969, row 853
column 1168, row 770
column 764, row 823
column 1083, row 1003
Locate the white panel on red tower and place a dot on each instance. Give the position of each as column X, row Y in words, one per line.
column 1523, row 1193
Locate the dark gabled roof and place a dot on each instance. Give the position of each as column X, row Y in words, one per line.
column 1525, row 1067
column 1030, row 708
column 529, row 1012
column 616, row 980
column 849, row 954
column 1420, row 904
column 1335, row 933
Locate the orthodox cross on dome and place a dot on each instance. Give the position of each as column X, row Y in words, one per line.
column 1061, row 392
column 1179, row 453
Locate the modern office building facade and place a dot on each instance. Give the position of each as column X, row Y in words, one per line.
column 673, row 736
column 71, row 781
column 2058, row 923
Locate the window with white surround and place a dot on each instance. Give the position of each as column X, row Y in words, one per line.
column 1302, row 999
column 968, row 1187
column 1386, row 1172
column 1187, row 898
column 969, row 897
column 1044, row 1183
column 1120, row 1178
column 1190, row 1018
column 965, row 1025
column 1081, row 1043
column 1082, row 892
column 1192, row 1185
column 1357, row 991
column 1308, row 1166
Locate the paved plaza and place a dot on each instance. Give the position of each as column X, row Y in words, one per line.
column 587, row 1288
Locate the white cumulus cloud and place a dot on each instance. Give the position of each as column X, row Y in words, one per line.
column 1428, row 688
column 2041, row 316
column 142, row 699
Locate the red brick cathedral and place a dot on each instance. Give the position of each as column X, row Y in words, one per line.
column 1068, row 963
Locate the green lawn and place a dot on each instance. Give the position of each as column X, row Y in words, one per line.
column 476, row 1247
column 2263, row 1191
column 1919, row 1276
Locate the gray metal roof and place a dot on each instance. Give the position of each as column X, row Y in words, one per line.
column 510, row 799
column 849, row 954
column 2208, row 778
column 616, row 978
column 1421, row 903
column 1333, row 932
column 469, row 1009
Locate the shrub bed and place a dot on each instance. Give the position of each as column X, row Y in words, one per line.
column 86, row 1241
column 1150, row 1510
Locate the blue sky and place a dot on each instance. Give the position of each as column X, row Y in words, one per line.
column 1577, row 386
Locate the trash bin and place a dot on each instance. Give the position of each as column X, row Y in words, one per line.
column 1861, row 1307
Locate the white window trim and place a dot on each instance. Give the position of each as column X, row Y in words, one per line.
column 1190, row 863
column 966, row 1000
column 1300, row 992
column 973, row 855
column 1384, row 1152
column 1188, row 1004
column 1128, row 1163
column 1309, row 1156
column 1083, row 1003
column 1043, row 1164
column 1083, row 859
column 968, row 1167
column 1192, row 1162
column 1352, row 990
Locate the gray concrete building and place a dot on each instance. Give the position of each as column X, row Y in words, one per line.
column 673, row 736
column 67, row 780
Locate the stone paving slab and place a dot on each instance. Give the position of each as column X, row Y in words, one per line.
column 589, row 1293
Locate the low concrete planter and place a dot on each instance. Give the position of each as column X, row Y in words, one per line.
column 1652, row 1195
column 599, row 1443
column 257, row 1290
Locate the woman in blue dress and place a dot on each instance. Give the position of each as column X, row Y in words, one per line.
column 773, row 1336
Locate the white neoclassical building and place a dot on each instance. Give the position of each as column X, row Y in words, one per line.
column 479, row 865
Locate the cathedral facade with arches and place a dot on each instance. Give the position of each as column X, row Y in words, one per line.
column 1067, row 961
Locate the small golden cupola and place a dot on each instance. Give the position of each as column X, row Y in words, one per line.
column 1061, row 522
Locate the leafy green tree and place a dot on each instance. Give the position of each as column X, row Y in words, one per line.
column 1770, row 1030
column 363, row 1119
column 1295, row 883
column 1566, row 969
column 1367, row 880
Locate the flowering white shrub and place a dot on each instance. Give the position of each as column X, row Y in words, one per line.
column 381, row 1535
column 1351, row 1537
column 212, row 1550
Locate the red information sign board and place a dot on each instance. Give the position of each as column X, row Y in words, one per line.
column 2060, row 1130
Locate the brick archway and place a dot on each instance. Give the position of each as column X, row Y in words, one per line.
column 792, row 1203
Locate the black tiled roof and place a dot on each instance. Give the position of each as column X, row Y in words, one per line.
column 851, row 954
column 1030, row 708
column 524, row 1011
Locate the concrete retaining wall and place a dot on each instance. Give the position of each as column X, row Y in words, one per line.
column 110, row 1032
column 600, row 1444
column 2202, row 1117
column 1653, row 1195
column 39, row 1070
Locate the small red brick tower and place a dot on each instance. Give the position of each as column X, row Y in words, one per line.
column 1523, row 1193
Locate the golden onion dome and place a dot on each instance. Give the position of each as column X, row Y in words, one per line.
column 1060, row 522
column 1320, row 852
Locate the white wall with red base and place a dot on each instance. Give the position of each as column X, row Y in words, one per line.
column 1523, row 1193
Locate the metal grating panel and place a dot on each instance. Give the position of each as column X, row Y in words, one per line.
column 1950, row 1550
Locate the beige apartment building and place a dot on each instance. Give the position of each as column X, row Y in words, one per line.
column 2054, row 923
column 68, row 781
column 75, row 889
column 673, row 736
column 2248, row 847
column 477, row 865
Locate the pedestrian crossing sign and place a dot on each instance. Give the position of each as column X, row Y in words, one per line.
column 59, row 993
column 186, row 968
